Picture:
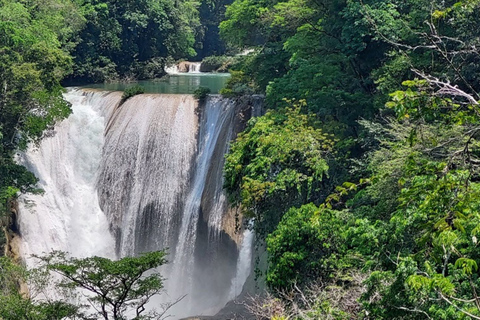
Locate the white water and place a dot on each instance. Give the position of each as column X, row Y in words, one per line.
column 193, row 67
column 244, row 264
column 132, row 178
column 145, row 169
column 173, row 69
column 67, row 216
column 218, row 111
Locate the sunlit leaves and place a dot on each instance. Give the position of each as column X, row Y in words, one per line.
column 305, row 246
column 115, row 288
column 279, row 156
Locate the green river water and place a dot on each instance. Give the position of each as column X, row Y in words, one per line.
column 175, row 83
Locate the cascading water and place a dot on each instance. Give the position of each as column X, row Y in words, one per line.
column 142, row 176
column 216, row 116
column 194, row 67
column 67, row 216
column 243, row 264
column 184, row 67
column 150, row 142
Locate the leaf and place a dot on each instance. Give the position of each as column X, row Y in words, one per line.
column 468, row 265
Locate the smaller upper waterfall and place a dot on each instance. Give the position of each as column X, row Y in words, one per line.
column 184, row 67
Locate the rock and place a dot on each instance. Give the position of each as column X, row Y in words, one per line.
column 183, row 66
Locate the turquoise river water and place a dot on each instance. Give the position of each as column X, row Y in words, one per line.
column 175, row 83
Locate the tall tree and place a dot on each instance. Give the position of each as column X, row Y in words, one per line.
column 32, row 63
column 133, row 39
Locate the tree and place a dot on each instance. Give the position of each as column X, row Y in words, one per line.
column 118, row 288
column 413, row 228
column 32, row 63
column 306, row 245
column 280, row 158
column 319, row 51
column 133, row 39
column 16, row 303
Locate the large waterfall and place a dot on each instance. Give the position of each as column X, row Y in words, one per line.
column 145, row 175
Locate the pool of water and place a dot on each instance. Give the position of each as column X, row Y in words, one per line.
column 174, row 83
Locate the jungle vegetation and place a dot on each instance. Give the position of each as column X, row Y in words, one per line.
column 380, row 193
column 370, row 141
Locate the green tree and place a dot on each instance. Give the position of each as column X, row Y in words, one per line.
column 133, row 39
column 16, row 303
column 117, row 288
column 307, row 245
column 32, row 63
column 322, row 52
column 413, row 227
column 280, row 158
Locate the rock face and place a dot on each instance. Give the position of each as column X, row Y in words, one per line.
column 188, row 67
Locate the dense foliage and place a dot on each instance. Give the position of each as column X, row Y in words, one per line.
column 201, row 93
column 32, row 64
column 209, row 43
column 280, row 158
column 396, row 82
column 362, row 177
column 115, row 289
column 132, row 40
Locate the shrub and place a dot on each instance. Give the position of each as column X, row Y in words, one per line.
column 201, row 93
column 216, row 64
column 132, row 91
column 239, row 84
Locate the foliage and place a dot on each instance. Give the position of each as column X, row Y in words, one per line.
column 216, row 64
column 32, row 63
column 131, row 39
column 338, row 301
column 16, row 305
column 280, row 158
column 237, row 85
column 304, row 55
column 201, row 93
column 209, row 43
column 132, row 91
column 307, row 244
column 117, row 288
column 411, row 220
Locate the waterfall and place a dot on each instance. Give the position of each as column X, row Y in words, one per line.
column 173, row 69
column 67, row 216
column 184, row 67
column 243, row 264
column 217, row 115
column 150, row 142
column 194, row 67
column 146, row 175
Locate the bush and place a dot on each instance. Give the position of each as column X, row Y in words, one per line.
column 216, row 64
column 201, row 93
column 239, row 84
column 141, row 70
column 132, row 91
